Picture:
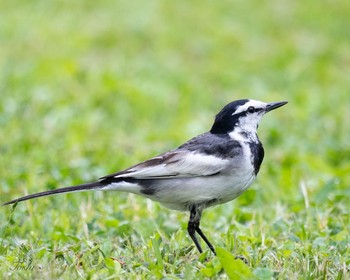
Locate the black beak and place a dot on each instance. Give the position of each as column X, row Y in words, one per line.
column 274, row 105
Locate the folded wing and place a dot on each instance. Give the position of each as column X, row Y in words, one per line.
column 178, row 163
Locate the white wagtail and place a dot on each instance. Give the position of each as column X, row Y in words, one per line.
column 210, row 169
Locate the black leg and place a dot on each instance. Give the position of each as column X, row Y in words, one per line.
column 193, row 227
column 200, row 232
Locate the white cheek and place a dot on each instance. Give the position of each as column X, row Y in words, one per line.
column 250, row 122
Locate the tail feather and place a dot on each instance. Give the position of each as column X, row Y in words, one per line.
column 83, row 187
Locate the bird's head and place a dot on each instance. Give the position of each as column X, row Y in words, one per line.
column 245, row 114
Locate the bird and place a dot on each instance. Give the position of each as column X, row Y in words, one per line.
column 210, row 169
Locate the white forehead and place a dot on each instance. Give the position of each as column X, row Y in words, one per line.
column 253, row 103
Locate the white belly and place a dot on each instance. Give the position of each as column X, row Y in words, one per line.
column 179, row 193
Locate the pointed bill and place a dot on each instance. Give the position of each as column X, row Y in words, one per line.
column 275, row 105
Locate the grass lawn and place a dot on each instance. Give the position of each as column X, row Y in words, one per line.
column 88, row 88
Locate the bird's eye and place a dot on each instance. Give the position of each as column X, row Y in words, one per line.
column 251, row 109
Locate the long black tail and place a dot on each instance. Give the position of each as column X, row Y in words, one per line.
column 83, row 187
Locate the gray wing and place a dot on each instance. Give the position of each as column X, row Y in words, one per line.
column 204, row 155
column 177, row 163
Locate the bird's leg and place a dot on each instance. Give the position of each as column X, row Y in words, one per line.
column 200, row 232
column 193, row 227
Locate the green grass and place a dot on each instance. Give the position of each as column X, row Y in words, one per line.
column 91, row 87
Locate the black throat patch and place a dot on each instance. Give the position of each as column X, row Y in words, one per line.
column 257, row 151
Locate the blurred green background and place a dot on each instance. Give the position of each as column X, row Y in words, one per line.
column 88, row 88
